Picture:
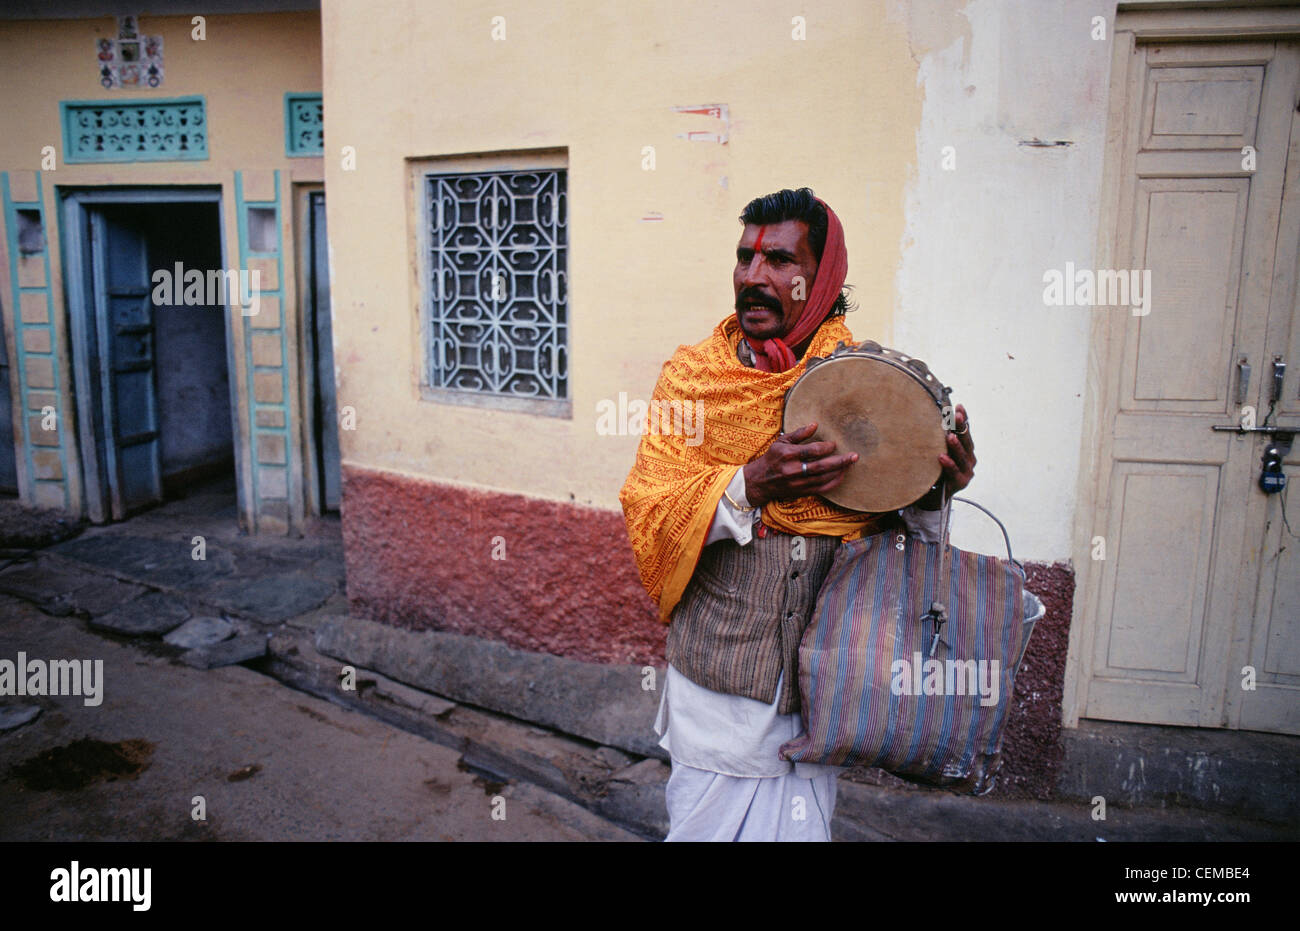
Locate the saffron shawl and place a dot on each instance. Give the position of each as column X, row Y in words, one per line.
column 673, row 490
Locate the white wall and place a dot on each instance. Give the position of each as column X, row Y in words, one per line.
column 979, row 238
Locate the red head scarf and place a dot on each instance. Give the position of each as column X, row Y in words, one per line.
column 775, row 355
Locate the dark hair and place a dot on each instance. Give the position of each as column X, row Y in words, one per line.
column 796, row 205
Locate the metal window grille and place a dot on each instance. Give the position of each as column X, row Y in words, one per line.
column 152, row 130
column 497, row 301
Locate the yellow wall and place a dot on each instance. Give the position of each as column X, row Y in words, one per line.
column 837, row 112
column 242, row 68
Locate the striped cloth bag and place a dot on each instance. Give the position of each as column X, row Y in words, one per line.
column 922, row 692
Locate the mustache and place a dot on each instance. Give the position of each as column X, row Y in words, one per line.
column 754, row 296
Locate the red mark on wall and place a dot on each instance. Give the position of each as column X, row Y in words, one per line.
column 713, row 111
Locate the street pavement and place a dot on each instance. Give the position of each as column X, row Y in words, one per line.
column 268, row 762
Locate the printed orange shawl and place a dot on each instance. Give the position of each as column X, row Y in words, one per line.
column 674, row 487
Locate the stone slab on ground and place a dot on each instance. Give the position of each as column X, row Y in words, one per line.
column 635, row 795
column 200, row 632
column 45, row 583
column 602, row 703
column 415, row 699
column 61, row 589
column 161, row 563
column 152, row 614
column 227, row 653
column 614, row 759
column 104, row 595
column 241, row 578
column 272, row 599
column 15, row 716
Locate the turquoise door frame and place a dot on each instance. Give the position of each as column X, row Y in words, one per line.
column 79, row 209
column 8, row 439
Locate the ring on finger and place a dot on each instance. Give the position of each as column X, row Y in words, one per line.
column 965, row 428
column 805, row 467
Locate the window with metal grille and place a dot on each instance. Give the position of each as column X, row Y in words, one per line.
column 495, row 253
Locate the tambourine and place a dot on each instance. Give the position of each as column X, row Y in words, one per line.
column 883, row 405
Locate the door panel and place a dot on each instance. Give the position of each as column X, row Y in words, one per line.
column 1158, row 615
column 1202, row 108
column 124, row 324
column 1166, row 584
column 1191, row 234
column 326, row 404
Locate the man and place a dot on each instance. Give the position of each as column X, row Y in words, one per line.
column 733, row 540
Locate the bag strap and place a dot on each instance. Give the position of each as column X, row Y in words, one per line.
column 938, row 612
column 1006, row 537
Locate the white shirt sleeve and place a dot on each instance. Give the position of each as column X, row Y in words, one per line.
column 732, row 524
column 925, row 525
column 729, row 523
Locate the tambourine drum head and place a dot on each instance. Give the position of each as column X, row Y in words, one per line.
column 871, row 408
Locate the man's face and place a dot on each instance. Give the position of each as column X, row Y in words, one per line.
column 774, row 263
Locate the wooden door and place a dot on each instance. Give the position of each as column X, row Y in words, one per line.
column 325, row 404
column 127, row 385
column 1206, row 130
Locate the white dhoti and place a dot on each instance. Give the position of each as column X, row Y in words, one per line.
column 727, row 782
column 705, row 806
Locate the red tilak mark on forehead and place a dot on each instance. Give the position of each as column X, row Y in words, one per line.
column 758, row 243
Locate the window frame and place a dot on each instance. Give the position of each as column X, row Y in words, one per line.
column 419, row 172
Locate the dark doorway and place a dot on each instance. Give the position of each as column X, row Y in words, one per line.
column 325, row 414
column 152, row 374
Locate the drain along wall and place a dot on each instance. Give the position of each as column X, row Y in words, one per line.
column 241, row 69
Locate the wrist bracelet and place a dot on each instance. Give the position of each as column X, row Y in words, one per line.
column 733, row 503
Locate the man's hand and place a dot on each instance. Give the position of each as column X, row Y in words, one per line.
column 958, row 466
column 792, row 468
